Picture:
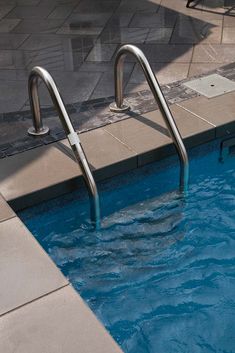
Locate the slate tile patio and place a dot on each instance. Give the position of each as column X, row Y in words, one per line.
column 76, row 41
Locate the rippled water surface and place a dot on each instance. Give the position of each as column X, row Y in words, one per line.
column 160, row 274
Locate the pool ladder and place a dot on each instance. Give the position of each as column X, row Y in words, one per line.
column 120, row 106
column 39, row 129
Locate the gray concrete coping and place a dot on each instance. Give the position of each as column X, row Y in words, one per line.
column 57, row 323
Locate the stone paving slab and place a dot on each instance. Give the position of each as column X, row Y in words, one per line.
column 63, row 36
column 5, row 210
column 37, row 170
column 218, row 111
column 57, row 323
column 148, row 136
column 26, row 272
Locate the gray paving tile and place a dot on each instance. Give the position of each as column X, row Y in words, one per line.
column 6, row 211
column 218, row 111
column 148, row 136
column 20, row 176
column 159, row 35
column 202, row 68
column 10, row 126
column 65, row 43
column 15, row 75
column 5, row 9
column 26, row 271
column 38, row 26
column 229, row 21
column 86, row 31
column 96, row 6
column 166, row 53
column 194, row 130
column 179, row 6
column 164, row 73
column 133, row 87
column 229, row 35
column 59, row 322
column 12, row 41
column 96, row 66
column 74, row 86
column 30, row 12
column 124, row 35
column 140, row 5
column 22, row 2
column 142, row 136
column 107, row 154
column 216, row 53
column 9, row 89
column 102, row 52
column 163, row 18
column 59, row 2
column 87, row 20
column 120, row 20
column 39, row 42
column 192, row 30
column 51, row 59
column 13, row 59
column 61, row 12
column 105, row 87
column 8, row 24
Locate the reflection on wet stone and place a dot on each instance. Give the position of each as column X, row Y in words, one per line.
column 76, row 41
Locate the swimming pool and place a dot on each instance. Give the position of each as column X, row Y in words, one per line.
column 160, row 274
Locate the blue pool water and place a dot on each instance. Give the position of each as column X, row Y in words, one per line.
column 160, row 274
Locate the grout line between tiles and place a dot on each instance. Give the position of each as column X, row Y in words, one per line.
column 198, row 116
column 116, row 138
column 7, row 219
column 34, row 300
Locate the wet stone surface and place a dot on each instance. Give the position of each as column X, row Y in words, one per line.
column 76, row 41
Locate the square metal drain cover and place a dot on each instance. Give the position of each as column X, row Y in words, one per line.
column 211, row 86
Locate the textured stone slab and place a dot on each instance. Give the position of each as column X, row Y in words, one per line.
column 5, row 210
column 148, row 136
column 218, row 111
column 36, row 170
column 57, row 323
column 191, row 30
column 26, row 271
column 107, row 155
column 215, row 53
column 30, row 12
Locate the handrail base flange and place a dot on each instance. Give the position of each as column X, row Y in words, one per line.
column 43, row 132
column 113, row 108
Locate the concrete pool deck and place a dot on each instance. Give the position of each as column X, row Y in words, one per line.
column 39, row 310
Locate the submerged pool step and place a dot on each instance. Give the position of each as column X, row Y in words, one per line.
column 227, row 149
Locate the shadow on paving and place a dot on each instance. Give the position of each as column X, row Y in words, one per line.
column 77, row 44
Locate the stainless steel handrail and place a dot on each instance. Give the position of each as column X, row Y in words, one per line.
column 39, row 130
column 120, row 106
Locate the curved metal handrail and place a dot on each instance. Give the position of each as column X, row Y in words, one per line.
column 39, row 130
column 119, row 106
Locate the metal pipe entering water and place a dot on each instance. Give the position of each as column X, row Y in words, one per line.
column 121, row 106
column 39, row 129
